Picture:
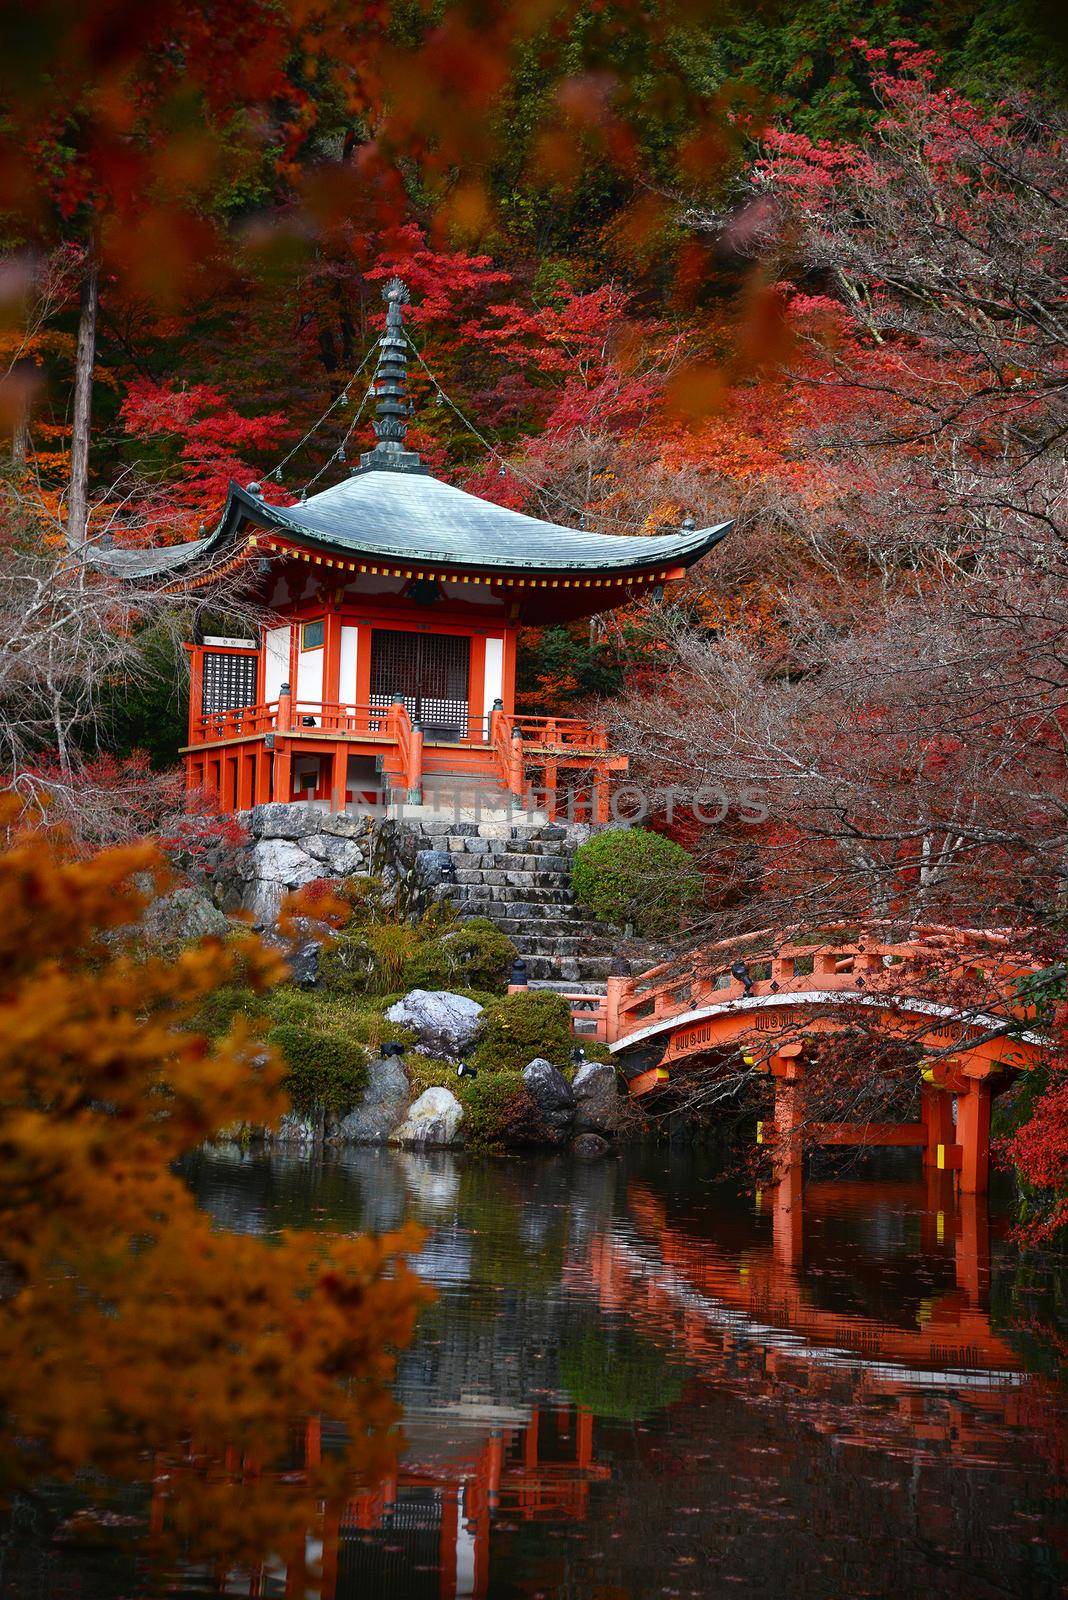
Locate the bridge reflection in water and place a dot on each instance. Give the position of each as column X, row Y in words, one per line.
column 833, row 1334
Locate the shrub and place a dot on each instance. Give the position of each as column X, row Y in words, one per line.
column 476, row 954
column 324, row 1069
column 631, row 876
column 518, row 1027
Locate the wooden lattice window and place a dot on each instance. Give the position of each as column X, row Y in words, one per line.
column 228, row 682
column 428, row 672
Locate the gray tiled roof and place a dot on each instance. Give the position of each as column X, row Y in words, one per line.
column 414, row 516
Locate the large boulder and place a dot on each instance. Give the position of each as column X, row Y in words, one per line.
column 181, row 916
column 446, row 1024
column 590, row 1147
column 432, row 1122
column 550, row 1092
column 381, row 1108
column 598, row 1104
column 433, row 868
column 338, row 857
column 282, row 819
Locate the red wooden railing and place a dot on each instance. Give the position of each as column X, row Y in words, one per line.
column 529, row 753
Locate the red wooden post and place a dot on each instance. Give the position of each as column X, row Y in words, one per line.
column 973, row 1136
column 414, row 775
column 283, row 755
column 787, row 1224
column 246, row 761
column 600, row 796
column 331, row 657
column 515, row 765
column 972, row 1250
column 263, row 775
column 339, row 771
column 937, row 1112
column 789, row 1115
column 615, row 988
column 551, row 781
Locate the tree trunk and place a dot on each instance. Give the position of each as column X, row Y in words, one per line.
column 78, row 501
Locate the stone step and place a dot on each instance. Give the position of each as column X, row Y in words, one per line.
column 517, row 879
column 589, row 986
column 562, row 945
column 492, row 849
column 569, row 969
column 533, row 919
column 481, row 900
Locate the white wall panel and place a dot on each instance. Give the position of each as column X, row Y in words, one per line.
column 276, row 662
column 494, row 673
column 350, row 637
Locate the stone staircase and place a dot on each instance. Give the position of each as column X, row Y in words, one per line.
column 519, row 875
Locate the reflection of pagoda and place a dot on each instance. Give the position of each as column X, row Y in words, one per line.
column 426, row 1531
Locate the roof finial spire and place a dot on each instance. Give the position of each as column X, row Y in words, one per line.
column 391, row 389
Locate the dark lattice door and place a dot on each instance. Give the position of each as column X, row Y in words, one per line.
column 228, row 681
column 428, row 672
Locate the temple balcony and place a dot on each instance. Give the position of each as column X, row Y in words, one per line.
column 368, row 758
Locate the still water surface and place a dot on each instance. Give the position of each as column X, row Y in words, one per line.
column 638, row 1381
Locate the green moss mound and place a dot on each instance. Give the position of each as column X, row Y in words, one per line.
column 476, row 955
column 635, row 878
column 378, row 953
column 323, row 1069
column 518, row 1027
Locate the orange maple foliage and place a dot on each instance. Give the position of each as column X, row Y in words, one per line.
column 133, row 1335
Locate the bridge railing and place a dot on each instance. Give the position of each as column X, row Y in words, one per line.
column 763, row 966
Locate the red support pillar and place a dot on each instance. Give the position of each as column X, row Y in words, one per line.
column 263, row 776
column 339, row 771
column 788, row 1217
column 414, row 775
column 972, row 1250
column 283, row 758
column 599, row 796
column 973, row 1136
column 937, row 1113
column 516, row 781
column 789, row 1115
column 331, row 656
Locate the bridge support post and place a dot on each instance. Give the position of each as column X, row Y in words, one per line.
column 789, row 1113
column 972, row 1251
column 937, row 1113
column 973, row 1136
column 788, row 1217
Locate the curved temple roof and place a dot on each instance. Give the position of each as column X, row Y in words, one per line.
column 391, row 506
column 412, row 516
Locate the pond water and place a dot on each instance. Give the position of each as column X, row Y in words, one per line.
column 637, row 1380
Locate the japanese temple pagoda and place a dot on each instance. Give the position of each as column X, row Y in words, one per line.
column 394, row 601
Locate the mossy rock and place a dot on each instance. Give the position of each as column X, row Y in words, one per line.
column 518, row 1027
column 636, row 878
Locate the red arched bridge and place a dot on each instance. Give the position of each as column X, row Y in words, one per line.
column 953, row 993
